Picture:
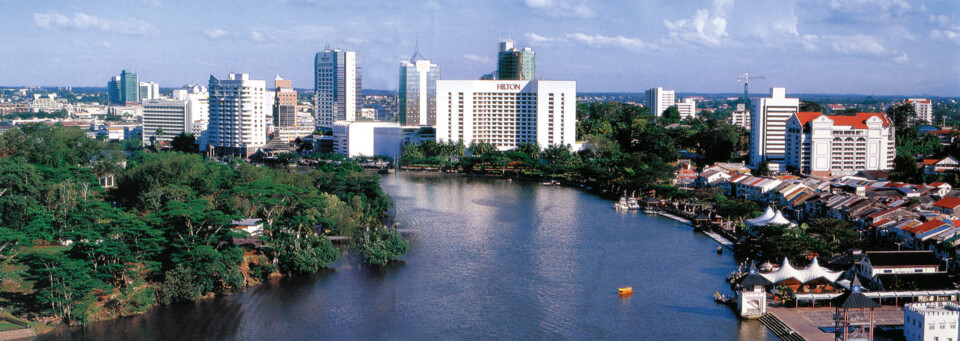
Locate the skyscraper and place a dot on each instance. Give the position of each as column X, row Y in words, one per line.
column 285, row 111
column 237, row 115
column 418, row 91
column 659, row 100
column 337, row 83
column 516, row 64
column 129, row 88
column 768, row 129
column 113, row 91
column 149, row 90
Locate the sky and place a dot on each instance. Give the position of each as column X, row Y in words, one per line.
column 871, row 47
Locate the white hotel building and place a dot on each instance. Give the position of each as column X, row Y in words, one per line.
column 507, row 113
column 769, row 127
column 924, row 109
column 238, row 107
column 839, row 145
column 659, row 100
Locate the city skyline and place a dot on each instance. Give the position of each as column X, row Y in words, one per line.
column 871, row 47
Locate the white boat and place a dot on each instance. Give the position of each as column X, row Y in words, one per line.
column 622, row 204
column 632, row 204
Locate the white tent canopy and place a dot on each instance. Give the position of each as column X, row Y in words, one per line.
column 812, row 272
column 770, row 217
column 767, row 215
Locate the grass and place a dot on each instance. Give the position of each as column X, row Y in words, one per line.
column 5, row 326
column 43, row 250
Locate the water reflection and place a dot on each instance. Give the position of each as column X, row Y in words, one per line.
column 489, row 260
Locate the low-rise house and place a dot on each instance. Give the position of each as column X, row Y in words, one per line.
column 947, row 205
column 710, row 178
column 898, row 262
column 937, row 166
column 253, row 227
column 940, row 189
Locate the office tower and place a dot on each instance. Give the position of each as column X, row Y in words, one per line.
column 129, row 88
column 185, row 112
column 516, row 64
column 237, row 115
column 507, row 113
column 418, row 91
column 659, row 100
column 768, row 126
column 285, row 112
column 149, row 90
column 823, row 145
column 113, row 91
column 687, row 108
column 337, row 76
column 924, row 109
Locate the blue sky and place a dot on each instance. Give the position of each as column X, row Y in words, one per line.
column 878, row 47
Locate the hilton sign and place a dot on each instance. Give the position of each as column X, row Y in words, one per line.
column 505, row 86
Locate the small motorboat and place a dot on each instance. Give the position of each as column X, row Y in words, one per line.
column 719, row 250
column 625, row 291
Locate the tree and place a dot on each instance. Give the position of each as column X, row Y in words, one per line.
column 184, row 142
column 905, row 168
column 763, row 169
column 810, row 106
column 478, row 148
column 670, row 115
column 302, row 253
column 380, row 246
column 903, row 116
column 60, row 282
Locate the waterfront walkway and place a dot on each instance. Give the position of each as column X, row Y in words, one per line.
column 807, row 321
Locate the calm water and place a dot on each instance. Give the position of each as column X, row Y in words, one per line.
column 489, row 260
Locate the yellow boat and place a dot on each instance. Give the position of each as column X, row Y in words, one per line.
column 626, row 291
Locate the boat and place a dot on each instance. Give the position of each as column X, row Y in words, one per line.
column 548, row 183
column 509, row 180
column 622, row 204
column 723, row 299
column 633, row 204
column 625, row 291
column 719, row 250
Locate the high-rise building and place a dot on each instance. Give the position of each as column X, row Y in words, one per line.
column 741, row 117
column 507, row 113
column 238, row 115
column 516, row 64
column 687, row 108
column 769, row 126
column 186, row 112
column 823, row 145
column 149, row 90
column 924, row 109
column 113, row 91
column 659, row 100
column 129, row 88
column 285, row 112
column 418, row 91
column 337, row 80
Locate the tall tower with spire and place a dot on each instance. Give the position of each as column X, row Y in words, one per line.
column 418, row 90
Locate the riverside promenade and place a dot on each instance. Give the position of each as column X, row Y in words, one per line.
column 806, row 322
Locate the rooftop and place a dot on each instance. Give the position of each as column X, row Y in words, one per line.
column 902, row 258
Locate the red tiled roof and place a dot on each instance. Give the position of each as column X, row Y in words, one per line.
column 883, row 212
column 948, row 202
column 881, row 222
column 941, row 131
column 930, row 161
column 938, row 184
column 927, row 226
column 856, row 121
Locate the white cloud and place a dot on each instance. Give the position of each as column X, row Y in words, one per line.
column 872, row 6
column 946, row 30
column 152, row 3
column 562, row 8
column 82, row 21
column 854, row 45
column 703, row 28
column 537, row 39
column 478, row 59
column 256, row 36
column 106, row 44
column 216, row 33
column 598, row 40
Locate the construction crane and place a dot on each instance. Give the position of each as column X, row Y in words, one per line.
column 746, row 78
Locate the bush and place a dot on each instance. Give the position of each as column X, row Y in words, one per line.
column 382, row 246
column 179, row 285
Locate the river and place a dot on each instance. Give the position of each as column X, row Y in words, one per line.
column 489, row 259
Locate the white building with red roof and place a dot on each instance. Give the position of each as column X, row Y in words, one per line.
column 822, row 145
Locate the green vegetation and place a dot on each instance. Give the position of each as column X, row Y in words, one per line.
column 627, row 149
column 823, row 237
column 165, row 234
